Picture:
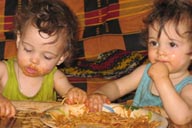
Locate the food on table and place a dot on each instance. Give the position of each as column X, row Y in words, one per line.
column 112, row 116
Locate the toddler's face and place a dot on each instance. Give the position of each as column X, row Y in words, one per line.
column 170, row 48
column 39, row 53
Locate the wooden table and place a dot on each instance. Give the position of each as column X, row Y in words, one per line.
column 28, row 115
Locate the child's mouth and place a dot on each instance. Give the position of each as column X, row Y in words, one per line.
column 31, row 70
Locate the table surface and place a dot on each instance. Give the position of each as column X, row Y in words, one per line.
column 28, row 115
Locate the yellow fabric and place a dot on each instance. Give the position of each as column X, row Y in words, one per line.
column 12, row 92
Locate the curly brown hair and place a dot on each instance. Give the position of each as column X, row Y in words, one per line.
column 176, row 11
column 50, row 17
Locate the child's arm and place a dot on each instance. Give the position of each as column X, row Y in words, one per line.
column 115, row 89
column 6, row 107
column 177, row 106
column 72, row 94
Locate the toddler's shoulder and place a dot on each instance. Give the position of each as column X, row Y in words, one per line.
column 3, row 72
column 3, row 66
column 59, row 74
column 143, row 67
column 187, row 90
column 139, row 71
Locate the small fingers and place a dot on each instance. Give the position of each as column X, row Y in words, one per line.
column 7, row 111
column 12, row 112
column 76, row 96
column 95, row 102
column 2, row 111
column 80, row 96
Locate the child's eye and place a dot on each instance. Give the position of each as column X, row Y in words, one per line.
column 27, row 50
column 153, row 43
column 172, row 44
column 47, row 58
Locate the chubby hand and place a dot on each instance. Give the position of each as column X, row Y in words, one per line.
column 6, row 108
column 158, row 71
column 95, row 102
column 76, row 96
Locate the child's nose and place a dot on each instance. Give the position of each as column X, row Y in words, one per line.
column 35, row 59
column 161, row 51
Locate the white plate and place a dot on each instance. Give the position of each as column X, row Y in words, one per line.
column 154, row 117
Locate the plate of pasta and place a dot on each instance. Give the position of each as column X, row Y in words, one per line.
column 112, row 116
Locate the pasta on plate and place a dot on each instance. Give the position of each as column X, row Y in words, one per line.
column 112, row 116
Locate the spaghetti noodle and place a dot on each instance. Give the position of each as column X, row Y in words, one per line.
column 77, row 116
column 103, row 120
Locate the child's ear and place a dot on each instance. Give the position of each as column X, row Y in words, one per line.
column 18, row 39
column 62, row 58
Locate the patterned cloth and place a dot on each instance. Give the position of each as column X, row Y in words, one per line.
column 104, row 25
column 108, row 65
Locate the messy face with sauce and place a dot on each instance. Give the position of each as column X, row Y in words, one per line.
column 38, row 52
